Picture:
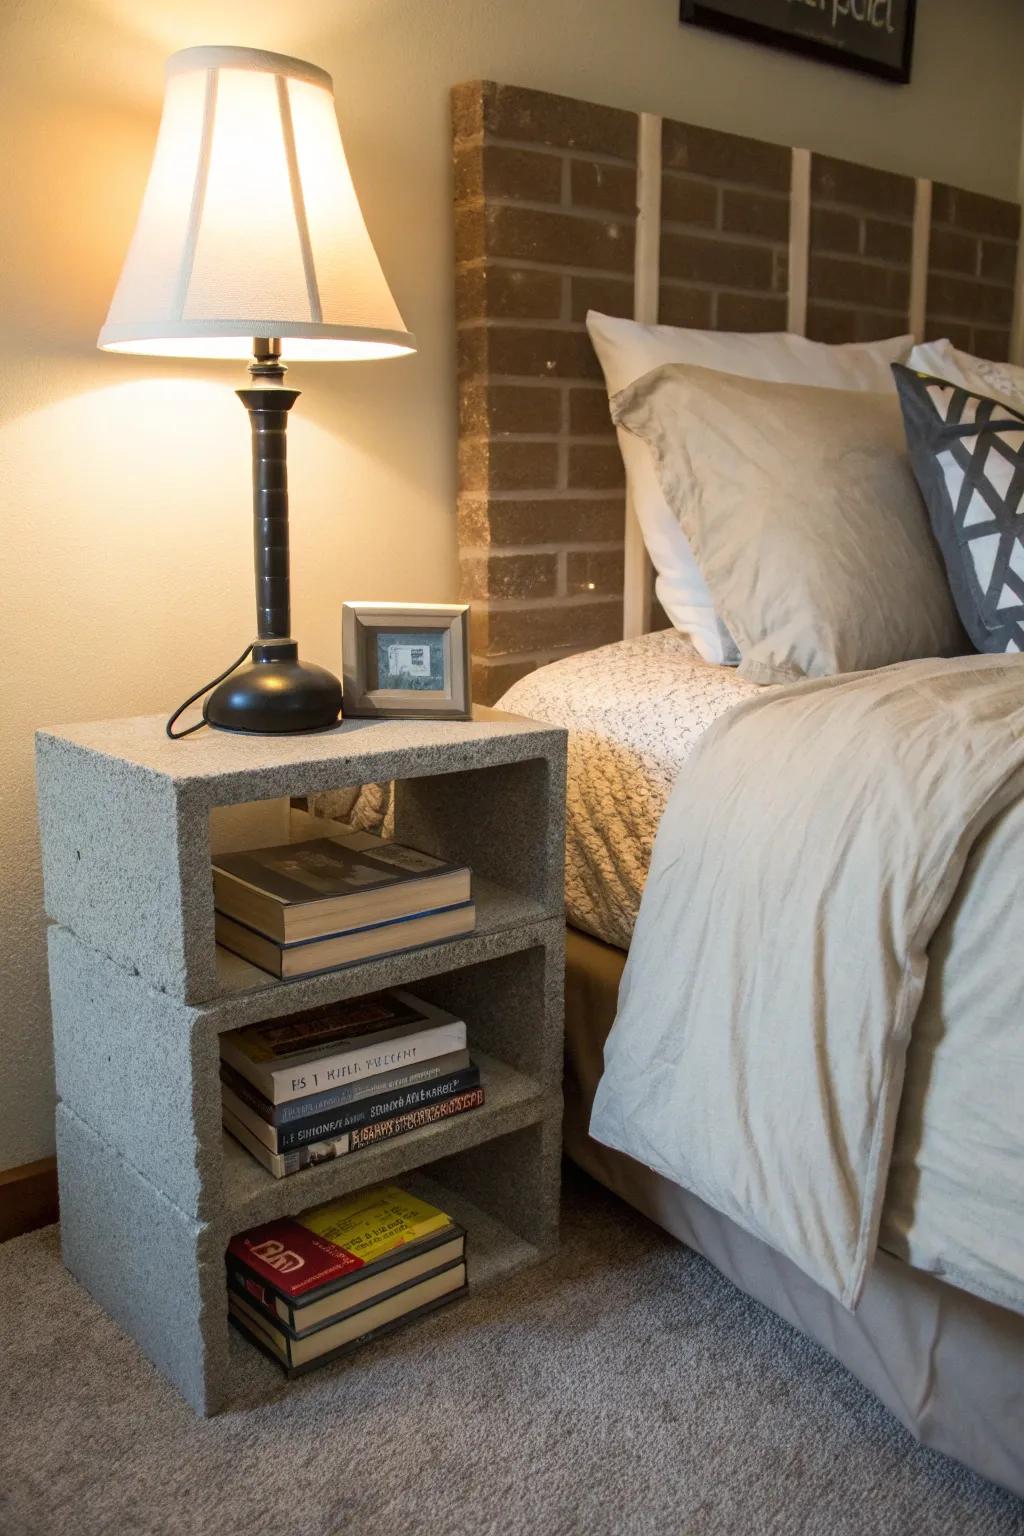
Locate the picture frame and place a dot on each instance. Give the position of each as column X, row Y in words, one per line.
column 875, row 37
column 406, row 661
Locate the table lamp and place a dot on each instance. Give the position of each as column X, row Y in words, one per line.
column 251, row 242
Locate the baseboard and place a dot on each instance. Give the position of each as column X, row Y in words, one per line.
column 28, row 1197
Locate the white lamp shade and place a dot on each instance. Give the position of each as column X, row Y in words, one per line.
column 250, row 225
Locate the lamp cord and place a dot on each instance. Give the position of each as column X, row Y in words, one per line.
column 177, row 735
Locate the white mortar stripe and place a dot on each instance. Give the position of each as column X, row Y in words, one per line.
column 799, row 241
column 919, row 257
column 636, row 594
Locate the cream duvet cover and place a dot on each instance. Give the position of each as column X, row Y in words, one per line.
column 820, row 1028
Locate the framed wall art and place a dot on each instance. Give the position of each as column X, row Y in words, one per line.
column 874, row 36
column 406, row 661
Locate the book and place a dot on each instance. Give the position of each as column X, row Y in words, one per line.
column 332, row 1123
column 283, row 1164
column 326, row 1048
column 328, row 885
column 415, row 1119
column 326, row 1343
column 345, row 1093
column 328, row 1261
column 309, row 956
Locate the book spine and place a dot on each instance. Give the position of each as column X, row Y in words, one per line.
column 347, row 1093
column 384, row 1106
column 351, row 1065
column 414, row 1120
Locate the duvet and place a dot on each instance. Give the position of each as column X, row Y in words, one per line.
column 821, row 1022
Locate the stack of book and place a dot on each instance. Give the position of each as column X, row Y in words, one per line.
column 308, row 1290
column 304, row 1089
column 312, row 906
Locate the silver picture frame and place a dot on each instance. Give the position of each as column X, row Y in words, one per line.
column 406, row 661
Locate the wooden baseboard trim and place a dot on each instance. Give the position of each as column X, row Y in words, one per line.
column 28, row 1197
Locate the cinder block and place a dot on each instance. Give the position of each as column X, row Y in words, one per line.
column 159, row 1275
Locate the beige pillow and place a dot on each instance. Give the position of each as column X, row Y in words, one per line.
column 803, row 514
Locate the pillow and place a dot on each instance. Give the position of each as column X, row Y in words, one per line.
column 968, row 455
column 627, row 351
column 1001, row 381
column 802, row 512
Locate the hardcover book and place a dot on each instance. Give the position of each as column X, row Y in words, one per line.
column 345, row 1093
column 332, row 1047
column 301, row 891
column 308, row 956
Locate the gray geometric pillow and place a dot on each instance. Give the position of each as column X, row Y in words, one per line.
column 967, row 453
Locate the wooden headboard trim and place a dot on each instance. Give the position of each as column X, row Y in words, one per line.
column 562, row 206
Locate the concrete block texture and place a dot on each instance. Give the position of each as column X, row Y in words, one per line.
column 125, row 817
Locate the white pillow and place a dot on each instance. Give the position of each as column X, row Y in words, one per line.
column 1000, row 381
column 627, row 351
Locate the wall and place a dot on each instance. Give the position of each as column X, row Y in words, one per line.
column 126, row 523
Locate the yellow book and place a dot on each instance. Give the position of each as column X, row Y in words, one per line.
column 375, row 1221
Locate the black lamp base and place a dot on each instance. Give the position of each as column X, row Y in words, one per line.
column 275, row 694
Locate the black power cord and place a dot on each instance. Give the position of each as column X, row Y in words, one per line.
column 177, row 735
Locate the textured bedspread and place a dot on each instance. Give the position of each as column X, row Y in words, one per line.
column 634, row 711
column 820, row 845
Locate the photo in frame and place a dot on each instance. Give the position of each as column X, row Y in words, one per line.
column 873, row 36
column 406, row 661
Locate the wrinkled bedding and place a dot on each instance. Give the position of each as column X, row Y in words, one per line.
column 820, row 1029
column 634, row 711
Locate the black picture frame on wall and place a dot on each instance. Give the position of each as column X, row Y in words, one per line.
column 827, row 30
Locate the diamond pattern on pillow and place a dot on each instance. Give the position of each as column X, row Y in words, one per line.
column 967, row 452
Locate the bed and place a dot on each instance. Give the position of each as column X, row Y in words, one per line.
column 726, row 235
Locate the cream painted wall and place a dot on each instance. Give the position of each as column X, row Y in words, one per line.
column 125, row 536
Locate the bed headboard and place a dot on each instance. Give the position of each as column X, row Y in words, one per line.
column 563, row 206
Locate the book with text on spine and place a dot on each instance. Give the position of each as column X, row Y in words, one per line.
column 289, row 1058
column 308, row 956
column 326, row 885
column 346, row 1093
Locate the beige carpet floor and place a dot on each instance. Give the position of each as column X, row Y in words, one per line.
column 622, row 1387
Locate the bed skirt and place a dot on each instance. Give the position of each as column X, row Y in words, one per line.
column 948, row 1365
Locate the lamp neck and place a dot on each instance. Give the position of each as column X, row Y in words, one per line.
column 266, row 366
column 268, row 405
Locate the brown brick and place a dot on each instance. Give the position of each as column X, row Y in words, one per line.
column 991, row 343
column 959, row 334
column 467, row 110
column 501, row 465
column 725, row 156
column 529, row 352
column 596, row 184
column 492, row 679
column 499, row 292
column 684, row 200
column 830, row 323
column 750, row 312
column 578, row 520
column 999, row 262
column 564, row 239
column 498, row 408
column 697, row 259
column 588, row 412
column 848, row 281
column 960, row 298
column 594, row 570
column 888, row 241
column 595, row 466
column 834, row 231
column 569, row 626
column 949, row 250
column 535, row 117
column 859, row 186
column 500, row 170
column 974, row 212
column 470, row 232
column 680, row 305
column 484, row 576
column 755, row 213
column 608, row 295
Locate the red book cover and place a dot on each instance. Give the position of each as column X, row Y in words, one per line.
column 291, row 1258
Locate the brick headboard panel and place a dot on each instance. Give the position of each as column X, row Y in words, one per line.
column 733, row 234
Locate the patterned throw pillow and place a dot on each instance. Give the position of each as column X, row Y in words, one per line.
column 967, row 452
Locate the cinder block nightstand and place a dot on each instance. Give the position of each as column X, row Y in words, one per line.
column 151, row 1189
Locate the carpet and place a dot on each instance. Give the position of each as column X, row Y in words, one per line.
column 622, row 1387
